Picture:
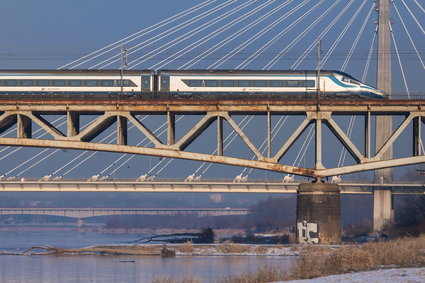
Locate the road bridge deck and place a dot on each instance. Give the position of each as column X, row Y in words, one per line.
column 195, row 187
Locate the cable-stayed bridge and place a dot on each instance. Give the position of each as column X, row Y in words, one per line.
column 304, row 138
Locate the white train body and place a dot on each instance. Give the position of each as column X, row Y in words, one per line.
column 164, row 84
column 73, row 82
column 290, row 83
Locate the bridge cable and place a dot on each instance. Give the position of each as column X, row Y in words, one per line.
column 414, row 17
column 275, row 130
column 146, row 43
column 343, row 153
column 179, row 39
column 212, row 35
column 19, row 148
column 419, row 5
column 299, row 37
column 138, row 34
column 225, row 147
column 240, row 32
column 342, row 34
column 267, row 45
column 133, row 155
column 356, row 41
column 399, row 61
column 301, row 154
column 408, row 34
column 14, row 129
column 47, row 177
column 321, row 35
column 242, row 124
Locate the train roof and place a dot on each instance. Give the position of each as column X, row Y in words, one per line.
column 228, row 72
column 75, row 72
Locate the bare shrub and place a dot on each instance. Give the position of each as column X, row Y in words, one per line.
column 262, row 275
column 233, row 248
column 187, row 248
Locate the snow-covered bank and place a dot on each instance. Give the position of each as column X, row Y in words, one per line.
column 399, row 275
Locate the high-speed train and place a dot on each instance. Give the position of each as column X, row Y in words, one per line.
column 187, row 84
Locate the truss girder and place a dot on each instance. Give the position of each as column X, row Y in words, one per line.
column 122, row 114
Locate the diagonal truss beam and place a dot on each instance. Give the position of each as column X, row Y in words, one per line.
column 110, row 112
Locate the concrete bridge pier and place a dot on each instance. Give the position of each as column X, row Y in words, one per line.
column 383, row 208
column 318, row 213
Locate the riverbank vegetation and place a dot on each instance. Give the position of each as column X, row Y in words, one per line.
column 318, row 261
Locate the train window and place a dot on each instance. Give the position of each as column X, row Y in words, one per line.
column 195, row 83
column 260, row 83
column 58, row 82
column 227, row 83
column 26, row 82
column 74, row 83
column 107, row 82
column 275, row 83
column 91, row 83
column 42, row 82
column 10, row 83
column 165, row 81
column 211, row 83
column 243, row 83
column 146, row 82
column 292, row 83
column 351, row 81
column 310, row 83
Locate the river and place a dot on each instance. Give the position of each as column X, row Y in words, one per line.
column 107, row 268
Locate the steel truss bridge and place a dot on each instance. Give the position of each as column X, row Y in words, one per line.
column 24, row 113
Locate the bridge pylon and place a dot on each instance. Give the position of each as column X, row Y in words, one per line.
column 384, row 124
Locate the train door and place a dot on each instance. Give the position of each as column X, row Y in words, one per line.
column 146, row 87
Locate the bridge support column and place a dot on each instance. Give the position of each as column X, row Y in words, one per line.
column 24, row 127
column 318, row 213
column 383, row 212
column 73, row 123
column 220, row 136
column 121, row 130
column 171, row 130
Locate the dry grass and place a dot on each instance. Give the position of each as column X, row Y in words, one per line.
column 318, row 261
column 233, row 248
column 401, row 252
column 261, row 249
column 173, row 280
column 187, row 248
column 262, row 275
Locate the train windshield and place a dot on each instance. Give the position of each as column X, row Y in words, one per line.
column 350, row 80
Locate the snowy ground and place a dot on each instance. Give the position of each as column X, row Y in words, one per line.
column 405, row 275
